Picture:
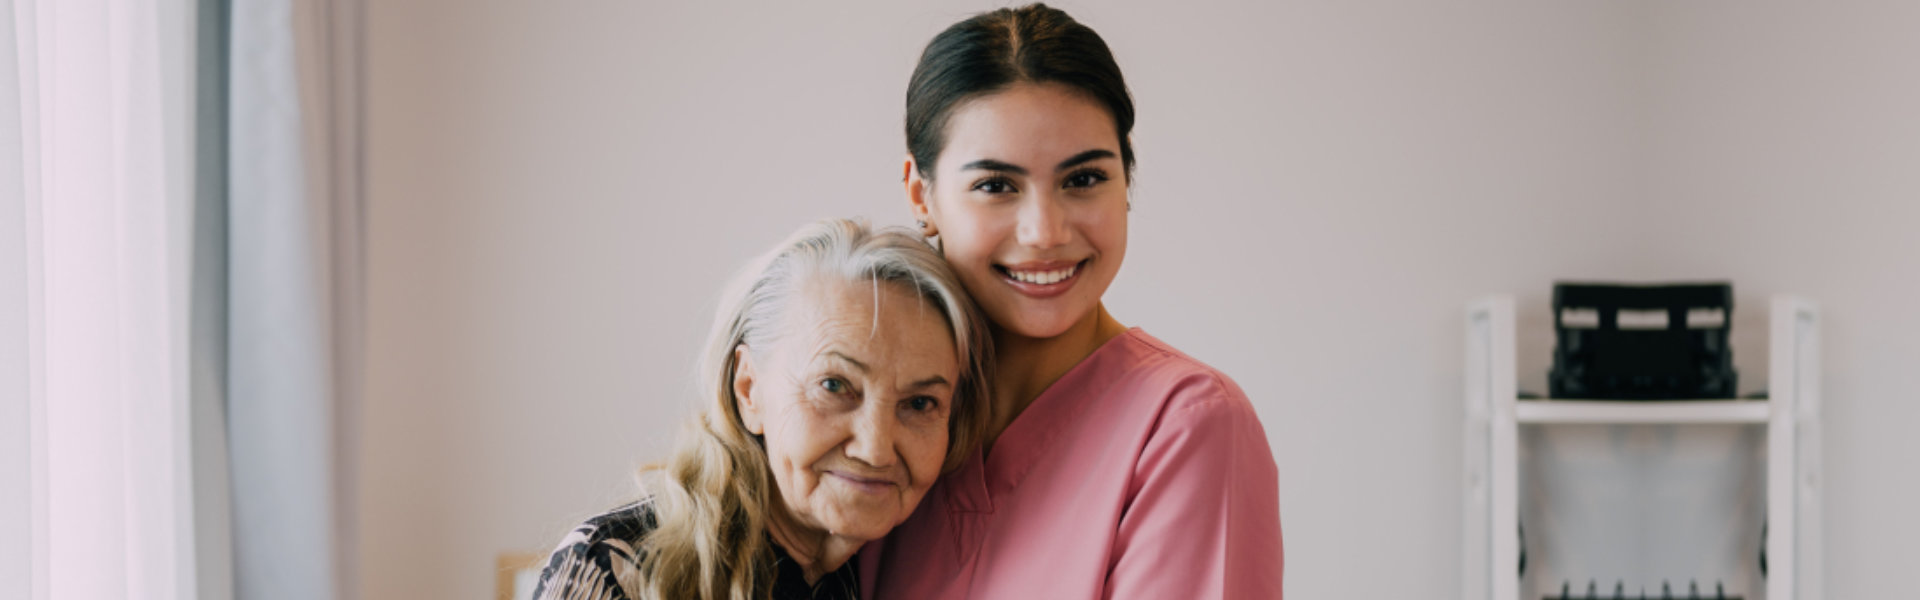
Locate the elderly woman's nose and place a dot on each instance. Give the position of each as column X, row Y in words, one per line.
column 874, row 430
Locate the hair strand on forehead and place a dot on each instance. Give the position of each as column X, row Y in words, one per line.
column 873, row 330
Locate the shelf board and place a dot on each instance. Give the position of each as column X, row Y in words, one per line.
column 1661, row 412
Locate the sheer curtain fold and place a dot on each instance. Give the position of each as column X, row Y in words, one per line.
column 292, row 293
column 294, row 223
column 17, row 488
column 102, row 125
column 182, row 270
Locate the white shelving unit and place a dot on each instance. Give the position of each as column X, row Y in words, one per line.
column 1678, row 412
column 1642, row 493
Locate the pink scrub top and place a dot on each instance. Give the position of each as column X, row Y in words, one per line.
column 1141, row 473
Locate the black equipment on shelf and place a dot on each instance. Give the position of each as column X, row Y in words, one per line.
column 1642, row 342
column 1620, row 592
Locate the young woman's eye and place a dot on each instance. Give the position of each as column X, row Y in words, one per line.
column 1087, row 178
column 996, row 185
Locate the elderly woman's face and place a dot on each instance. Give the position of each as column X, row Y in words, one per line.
column 853, row 401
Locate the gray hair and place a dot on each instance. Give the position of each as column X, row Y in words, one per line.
column 848, row 250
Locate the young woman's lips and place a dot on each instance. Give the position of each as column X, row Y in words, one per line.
column 865, row 485
column 1042, row 280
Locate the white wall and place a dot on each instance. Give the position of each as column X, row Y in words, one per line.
column 1784, row 139
column 559, row 189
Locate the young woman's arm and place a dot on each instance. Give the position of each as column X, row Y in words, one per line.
column 1204, row 516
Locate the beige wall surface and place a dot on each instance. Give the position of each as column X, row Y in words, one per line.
column 1784, row 139
column 558, row 190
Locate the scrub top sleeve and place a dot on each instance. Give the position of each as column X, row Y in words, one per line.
column 1203, row 515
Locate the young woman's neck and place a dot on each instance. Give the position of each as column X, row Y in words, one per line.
column 1026, row 367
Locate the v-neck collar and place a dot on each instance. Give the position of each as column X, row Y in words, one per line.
column 1032, row 433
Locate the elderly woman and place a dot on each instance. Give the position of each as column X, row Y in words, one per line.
column 846, row 373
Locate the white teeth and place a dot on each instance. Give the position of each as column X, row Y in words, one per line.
column 1044, row 277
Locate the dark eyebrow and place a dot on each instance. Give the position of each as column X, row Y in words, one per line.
column 856, row 364
column 988, row 164
column 1090, row 155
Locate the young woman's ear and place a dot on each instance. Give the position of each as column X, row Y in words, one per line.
column 917, row 188
column 743, row 391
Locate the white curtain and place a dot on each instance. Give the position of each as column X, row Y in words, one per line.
column 99, row 134
column 179, row 268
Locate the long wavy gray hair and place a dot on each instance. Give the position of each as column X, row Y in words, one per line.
column 713, row 496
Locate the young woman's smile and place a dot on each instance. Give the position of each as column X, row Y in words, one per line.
column 1041, row 279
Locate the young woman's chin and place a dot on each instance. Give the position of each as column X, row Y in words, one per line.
column 1044, row 317
column 1036, row 318
column 1042, row 321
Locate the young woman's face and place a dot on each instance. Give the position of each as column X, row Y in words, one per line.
column 1030, row 201
column 852, row 402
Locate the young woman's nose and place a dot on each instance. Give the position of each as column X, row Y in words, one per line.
column 1043, row 222
column 874, row 430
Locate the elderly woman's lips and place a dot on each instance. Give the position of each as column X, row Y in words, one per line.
column 868, row 485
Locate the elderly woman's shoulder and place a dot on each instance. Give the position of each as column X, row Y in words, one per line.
column 595, row 557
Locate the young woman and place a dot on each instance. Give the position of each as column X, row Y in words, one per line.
column 846, row 371
column 1114, row 466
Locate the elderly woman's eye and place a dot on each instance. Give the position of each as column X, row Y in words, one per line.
column 834, row 385
column 923, row 403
